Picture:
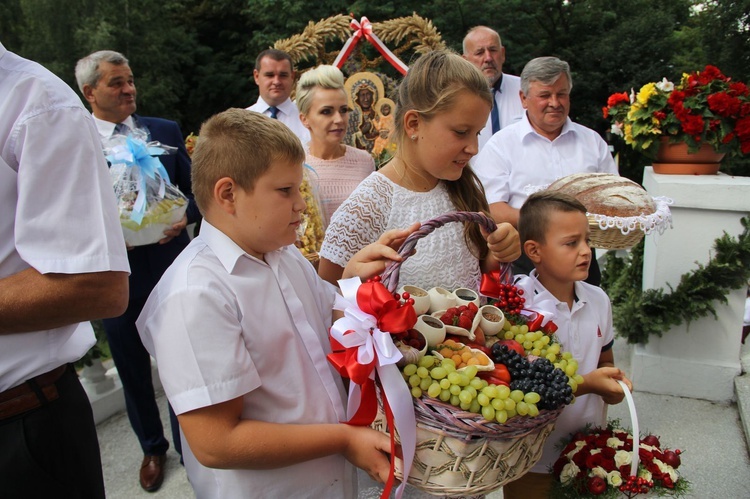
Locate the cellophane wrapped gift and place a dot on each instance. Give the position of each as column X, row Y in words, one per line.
column 147, row 201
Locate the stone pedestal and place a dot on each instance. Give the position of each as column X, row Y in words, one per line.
column 700, row 359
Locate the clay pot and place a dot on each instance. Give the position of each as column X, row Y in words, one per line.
column 674, row 159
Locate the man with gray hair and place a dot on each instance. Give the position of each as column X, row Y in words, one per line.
column 483, row 48
column 107, row 83
column 540, row 148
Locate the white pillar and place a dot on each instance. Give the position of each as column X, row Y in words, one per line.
column 700, row 359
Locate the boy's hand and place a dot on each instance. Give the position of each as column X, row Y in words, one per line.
column 504, row 244
column 372, row 259
column 602, row 381
column 369, row 449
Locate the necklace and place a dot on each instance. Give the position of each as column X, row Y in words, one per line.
column 424, row 184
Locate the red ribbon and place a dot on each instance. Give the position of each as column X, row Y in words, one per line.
column 490, row 284
column 375, row 299
column 363, row 29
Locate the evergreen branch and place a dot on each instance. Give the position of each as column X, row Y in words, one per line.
column 637, row 314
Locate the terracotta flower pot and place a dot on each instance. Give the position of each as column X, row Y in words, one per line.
column 675, row 159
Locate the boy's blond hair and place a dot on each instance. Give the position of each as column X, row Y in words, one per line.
column 535, row 213
column 242, row 145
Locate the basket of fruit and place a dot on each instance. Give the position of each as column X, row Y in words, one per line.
column 482, row 412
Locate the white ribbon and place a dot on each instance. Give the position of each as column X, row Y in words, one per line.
column 359, row 329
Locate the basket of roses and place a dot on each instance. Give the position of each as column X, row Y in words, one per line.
column 601, row 462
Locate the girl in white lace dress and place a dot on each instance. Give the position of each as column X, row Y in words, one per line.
column 441, row 106
column 324, row 108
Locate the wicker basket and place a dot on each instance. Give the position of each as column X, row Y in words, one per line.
column 611, row 239
column 458, row 452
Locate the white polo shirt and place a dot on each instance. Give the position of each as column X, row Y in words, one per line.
column 57, row 207
column 221, row 325
column 517, row 157
column 585, row 331
column 288, row 114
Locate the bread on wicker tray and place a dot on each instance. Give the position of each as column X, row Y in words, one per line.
column 607, row 194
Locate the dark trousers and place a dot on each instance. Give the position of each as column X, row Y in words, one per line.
column 134, row 368
column 524, row 266
column 52, row 451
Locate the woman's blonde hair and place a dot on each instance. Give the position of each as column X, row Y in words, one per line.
column 432, row 87
column 324, row 76
column 242, row 145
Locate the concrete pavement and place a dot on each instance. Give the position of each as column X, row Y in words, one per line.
column 711, row 435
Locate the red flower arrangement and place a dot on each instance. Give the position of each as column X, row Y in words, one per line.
column 705, row 107
column 597, row 462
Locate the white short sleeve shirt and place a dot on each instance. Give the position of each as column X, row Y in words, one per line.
column 221, row 325
column 57, row 207
column 584, row 331
column 517, row 159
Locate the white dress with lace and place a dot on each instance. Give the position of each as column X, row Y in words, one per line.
column 442, row 258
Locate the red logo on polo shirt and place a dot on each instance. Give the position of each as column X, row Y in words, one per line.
column 598, row 332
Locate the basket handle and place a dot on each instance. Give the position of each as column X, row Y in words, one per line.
column 392, row 270
column 636, row 431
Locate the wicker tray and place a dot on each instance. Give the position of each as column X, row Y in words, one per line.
column 459, row 452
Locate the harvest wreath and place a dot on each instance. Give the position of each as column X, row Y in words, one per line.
column 639, row 314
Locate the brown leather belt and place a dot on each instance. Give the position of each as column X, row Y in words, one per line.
column 31, row 394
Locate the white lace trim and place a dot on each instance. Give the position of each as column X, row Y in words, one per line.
column 660, row 220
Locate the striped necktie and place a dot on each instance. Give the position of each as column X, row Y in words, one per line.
column 121, row 129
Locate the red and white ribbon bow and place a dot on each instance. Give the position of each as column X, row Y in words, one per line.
column 368, row 348
column 362, row 29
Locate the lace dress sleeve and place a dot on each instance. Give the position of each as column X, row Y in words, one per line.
column 359, row 221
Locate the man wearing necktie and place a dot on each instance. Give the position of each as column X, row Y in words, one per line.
column 483, row 48
column 107, row 84
column 274, row 75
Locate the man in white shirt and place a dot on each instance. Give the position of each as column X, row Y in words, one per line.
column 274, row 75
column 62, row 263
column 483, row 48
column 540, row 148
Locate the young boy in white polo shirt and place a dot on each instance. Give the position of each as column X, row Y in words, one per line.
column 239, row 328
column 554, row 235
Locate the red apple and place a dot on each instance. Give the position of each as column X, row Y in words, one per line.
column 672, row 459
column 597, row 485
column 651, row 440
column 514, row 345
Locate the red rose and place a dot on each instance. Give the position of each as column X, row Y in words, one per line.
column 645, row 455
column 667, row 482
column 559, row 465
column 742, row 128
column 609, row 452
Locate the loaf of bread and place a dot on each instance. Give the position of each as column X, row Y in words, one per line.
column 607, row 194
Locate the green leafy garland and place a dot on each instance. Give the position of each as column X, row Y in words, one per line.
column 638, row 314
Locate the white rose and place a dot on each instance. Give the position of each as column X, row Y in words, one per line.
column 595, row 451
column 623, row 457
column 614, row 478
column 599, row 471
column 568, row 473
column 649, row 448
column 645, row 474
column 665, row 85
column 614, row 442
column 579, row 446
column 665, row 468
column 617, row 129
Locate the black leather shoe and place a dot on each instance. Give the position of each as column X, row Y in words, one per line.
column 152, row 472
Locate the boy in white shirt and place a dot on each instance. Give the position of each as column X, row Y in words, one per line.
column 554, row 235
column 239, row 328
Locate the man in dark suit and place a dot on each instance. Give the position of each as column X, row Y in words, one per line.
column 107, row 83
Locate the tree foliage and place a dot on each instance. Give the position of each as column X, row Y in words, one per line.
column 193, row 58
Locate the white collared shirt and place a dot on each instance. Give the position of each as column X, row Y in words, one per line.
column 583, row 331
column 288, row 114
column 107, row 128
column 509, row 108
column 223, row 324
column 57, row 208
column 518, row 158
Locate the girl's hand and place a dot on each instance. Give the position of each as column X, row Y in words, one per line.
column 373, row 258
column 504, row 244
column 602, row 381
